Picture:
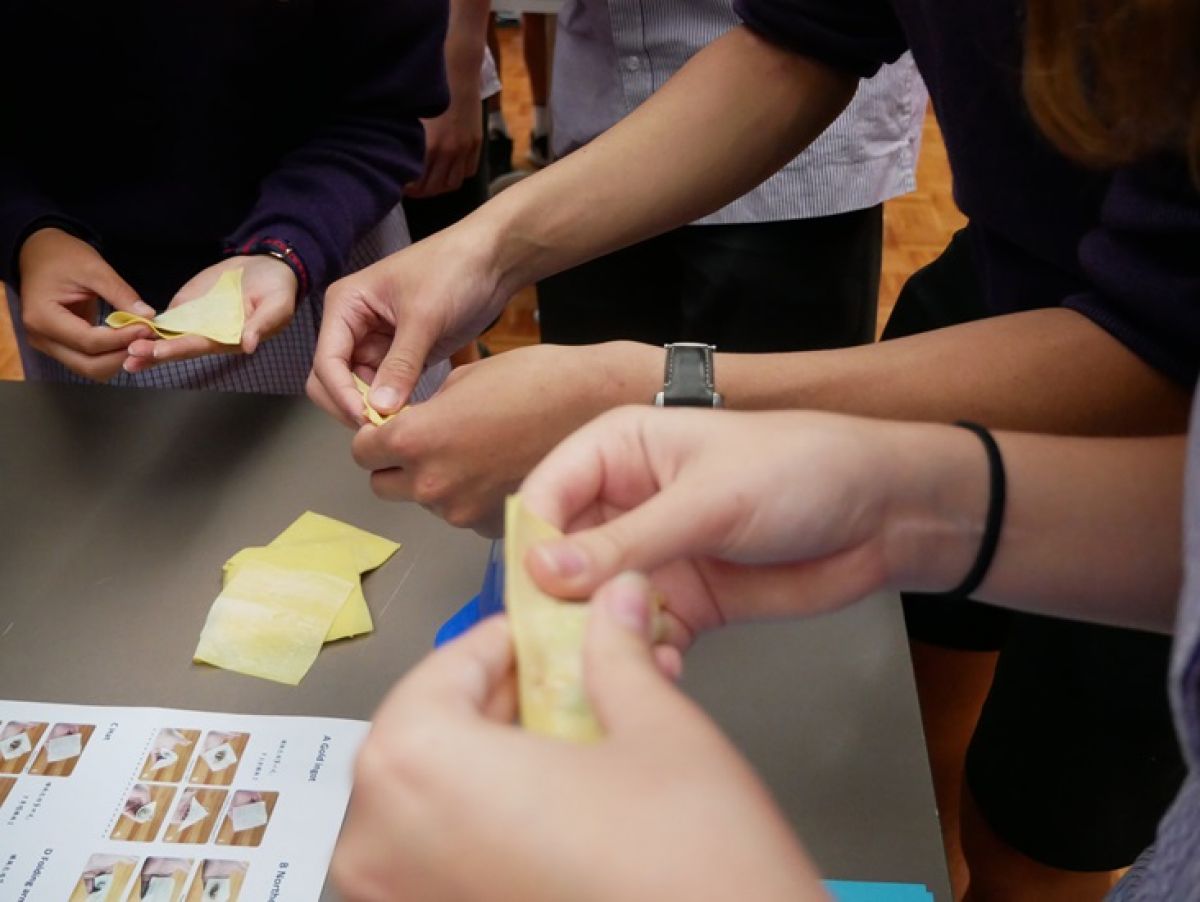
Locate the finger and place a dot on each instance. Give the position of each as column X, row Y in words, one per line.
column 621, row 672
column 384, row 447
column 59, row 325
column 393, row 484
column 319, row 396
column 574, row 476
column 669, row 661
column 466, row 673
column 331, row 368
column 119, row 293
column 97, row 367
column 456, row 173
column 187, row 347
column 668, row 526
column 437, row 175
column 268, row 319
column 399, row 371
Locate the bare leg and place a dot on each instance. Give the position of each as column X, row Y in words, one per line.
column 951, row 686
column 999, row 873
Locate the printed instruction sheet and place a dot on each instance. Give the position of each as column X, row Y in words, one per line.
column 102, row 804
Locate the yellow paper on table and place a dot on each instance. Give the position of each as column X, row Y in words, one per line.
column 271, row 621
column 548, row 634
column 218, row 314
column 280, row 602
column 368, row 411
column 318, row 542
column 354, row 617
column 370, row 551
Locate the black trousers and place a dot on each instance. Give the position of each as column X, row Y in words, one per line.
column 1074, row 759
column 760, row 287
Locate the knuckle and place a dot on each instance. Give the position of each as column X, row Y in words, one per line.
column 399, row 366
column 430, row 490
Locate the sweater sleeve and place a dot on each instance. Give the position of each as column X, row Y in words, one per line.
column 1143, row 264
column 24, row 209
column 856, row 36
column 386, row 71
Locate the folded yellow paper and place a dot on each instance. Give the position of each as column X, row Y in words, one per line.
column 368, row 411
column 548, row 635
column 219, row 314
column 280, row 599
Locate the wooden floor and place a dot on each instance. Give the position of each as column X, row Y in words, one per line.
column 916, row 227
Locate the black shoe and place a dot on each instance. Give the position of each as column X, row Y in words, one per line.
column 499, row 154
column 539, row 150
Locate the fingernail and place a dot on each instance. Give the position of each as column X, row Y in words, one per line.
column 145, row 310
column 385, row 398
column 562, row 559
column 128, row 365
column 629, row 602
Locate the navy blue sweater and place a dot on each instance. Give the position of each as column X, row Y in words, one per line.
column 1122, row 248
column 165, row 131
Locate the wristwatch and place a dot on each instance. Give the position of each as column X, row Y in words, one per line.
column 689, row 377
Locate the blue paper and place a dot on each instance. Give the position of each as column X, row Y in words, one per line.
column 856, row 891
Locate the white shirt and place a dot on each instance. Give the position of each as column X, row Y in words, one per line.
column 611, row 55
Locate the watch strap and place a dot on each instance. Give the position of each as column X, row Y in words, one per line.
column 688, row 378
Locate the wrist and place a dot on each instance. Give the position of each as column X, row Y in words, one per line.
column 281, row 251
column 631, row 372
column 937, row 489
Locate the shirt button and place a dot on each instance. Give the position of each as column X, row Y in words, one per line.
column 632, row 63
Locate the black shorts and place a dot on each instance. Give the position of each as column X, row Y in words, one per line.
column 1075, row 758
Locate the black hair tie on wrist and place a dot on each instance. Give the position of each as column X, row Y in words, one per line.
column 997, row 490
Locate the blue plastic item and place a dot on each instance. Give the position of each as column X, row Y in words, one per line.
column 856, row 891
column 489, row 601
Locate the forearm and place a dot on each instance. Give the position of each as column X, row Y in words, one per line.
column 664, row 165
column 1091, row 529
column 466, row 36
column 1047, row 370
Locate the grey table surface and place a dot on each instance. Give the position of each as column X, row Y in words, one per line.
column 118, row 507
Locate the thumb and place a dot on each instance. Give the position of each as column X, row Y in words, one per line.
column 399, row 371
column 624, row 682
column 117, row 292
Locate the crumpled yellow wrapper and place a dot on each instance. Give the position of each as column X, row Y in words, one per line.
column 548, row 635
column 282, row 601
column 219, row 314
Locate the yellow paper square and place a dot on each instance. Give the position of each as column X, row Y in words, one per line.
column 369, row 550
column 337, row 559
column 270, row 621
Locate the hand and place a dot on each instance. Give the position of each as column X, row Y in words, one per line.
column 62, row 281
column 460, row 453
column 183, row 804
column 137, row 799
column 453, row 142
column 384, row 322
column 741, row 516
column 165, row 867
column 269, row 292
column 453, row 802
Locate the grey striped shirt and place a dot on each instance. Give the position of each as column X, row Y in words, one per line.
column 611, row 55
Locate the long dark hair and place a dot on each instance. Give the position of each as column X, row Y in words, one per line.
column 1112, row 81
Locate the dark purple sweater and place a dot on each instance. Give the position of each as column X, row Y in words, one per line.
column 163, row 131
column 1121, row 248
